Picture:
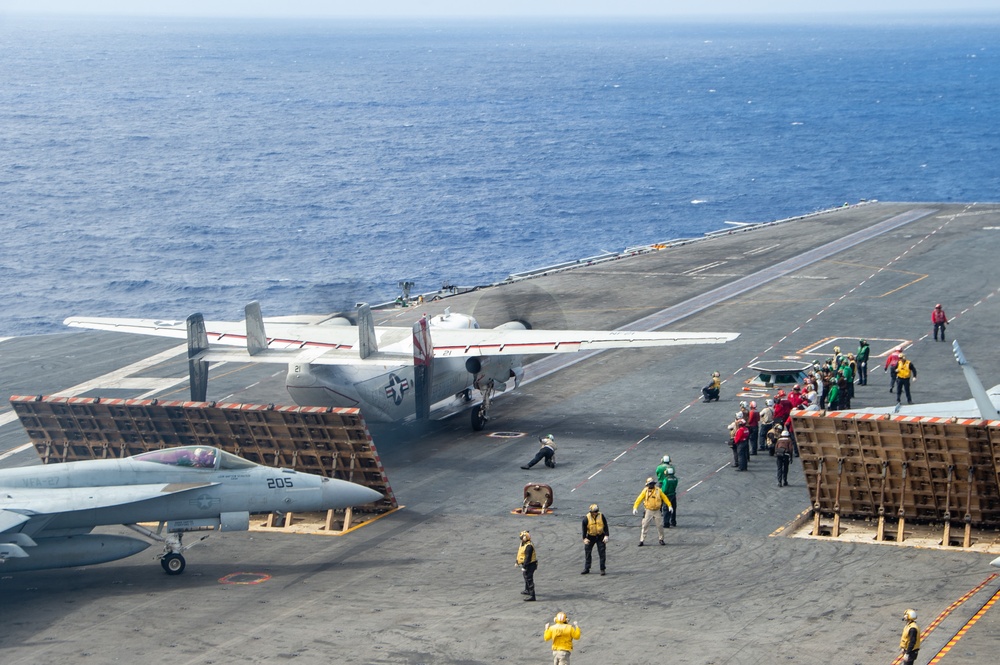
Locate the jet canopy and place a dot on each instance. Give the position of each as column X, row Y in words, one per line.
column 197, row 457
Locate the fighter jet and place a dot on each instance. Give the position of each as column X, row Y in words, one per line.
column 391, row 373
column 47, row 512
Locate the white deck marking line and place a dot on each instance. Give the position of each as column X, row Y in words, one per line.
column 116, row 378
column 695, row 485
column 14, row 451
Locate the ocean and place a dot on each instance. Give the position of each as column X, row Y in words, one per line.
column 159, row 167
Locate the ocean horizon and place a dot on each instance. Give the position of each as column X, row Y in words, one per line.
column 158, row 167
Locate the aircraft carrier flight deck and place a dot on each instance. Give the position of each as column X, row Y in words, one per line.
column 436, row 581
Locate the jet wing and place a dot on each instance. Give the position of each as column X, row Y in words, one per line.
column 19, row 505
column 10, row 520
column 499, row 341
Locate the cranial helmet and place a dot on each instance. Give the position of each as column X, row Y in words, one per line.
column 769, row 402
column 594, row 508
column 836, row 349
column 911, row 615
column 863, row 342
column 666, row 459
column 650, row 482
column 743, row 405
column 781, row 393
column 525, row 535
column 715, row 374
column 753, row 405
column 937, row 306
column 562, row 618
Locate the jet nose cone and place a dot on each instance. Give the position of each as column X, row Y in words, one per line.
column 342, row 494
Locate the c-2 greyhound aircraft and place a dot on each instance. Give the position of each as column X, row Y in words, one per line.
column 390, row 373
column 47, row 512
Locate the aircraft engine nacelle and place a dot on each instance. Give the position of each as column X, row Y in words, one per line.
column 499, row 369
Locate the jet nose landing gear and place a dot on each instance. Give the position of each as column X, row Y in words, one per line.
column 173, row 563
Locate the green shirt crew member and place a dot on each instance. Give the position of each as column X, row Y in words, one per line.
column 669, row 486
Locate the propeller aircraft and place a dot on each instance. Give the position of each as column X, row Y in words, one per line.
column 47, row 512
column 391, row 373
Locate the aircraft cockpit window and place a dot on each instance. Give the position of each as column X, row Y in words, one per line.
column 230, row 461
column 197, row 457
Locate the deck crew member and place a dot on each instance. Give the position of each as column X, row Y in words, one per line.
column 906, row 371
column 651, row 497
column 940, row 320
column 711, row 391
column 661, row 478
column 547, row 450
column 766, row 421
column 891, row 361
column 909, row 643
column 783, row 455
column 595, row 532
column 527, row 559
column 669, row 487
column 562, row 636
column 861, row 357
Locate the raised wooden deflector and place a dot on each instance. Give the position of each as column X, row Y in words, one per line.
column 334, row 443
column 941, row 471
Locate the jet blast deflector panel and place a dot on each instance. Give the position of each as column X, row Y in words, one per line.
column 928, row 470
column 329, row 442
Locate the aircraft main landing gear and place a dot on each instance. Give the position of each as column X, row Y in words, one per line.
column 481, row 412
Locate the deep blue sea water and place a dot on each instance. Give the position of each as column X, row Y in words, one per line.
column 161, row 167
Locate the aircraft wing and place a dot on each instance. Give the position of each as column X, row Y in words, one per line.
column 499, row 342
column 19, row 505
column 338, row 345
column 286, row 342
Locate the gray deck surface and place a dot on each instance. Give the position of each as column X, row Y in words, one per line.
column 436, row 581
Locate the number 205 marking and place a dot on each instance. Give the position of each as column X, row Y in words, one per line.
column 277, row 483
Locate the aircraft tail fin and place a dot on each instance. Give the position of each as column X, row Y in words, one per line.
column 197, row 338
column 983, row 402
column 256, row 337
column 367, row 342
column 423, row 367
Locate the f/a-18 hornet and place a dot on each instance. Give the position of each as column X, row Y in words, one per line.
column 390, row 373
column 47, row 512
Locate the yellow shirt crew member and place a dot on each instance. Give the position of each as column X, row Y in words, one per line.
column 652, row 498
column 562, row 635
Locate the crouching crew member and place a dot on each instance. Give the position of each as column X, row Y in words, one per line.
column 527, row 559
column 711, row 391
column 652, row 497
column 595, row 532
column 547, row 451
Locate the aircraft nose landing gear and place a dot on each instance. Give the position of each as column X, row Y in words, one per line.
column 173, row 563
column 171, row 559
